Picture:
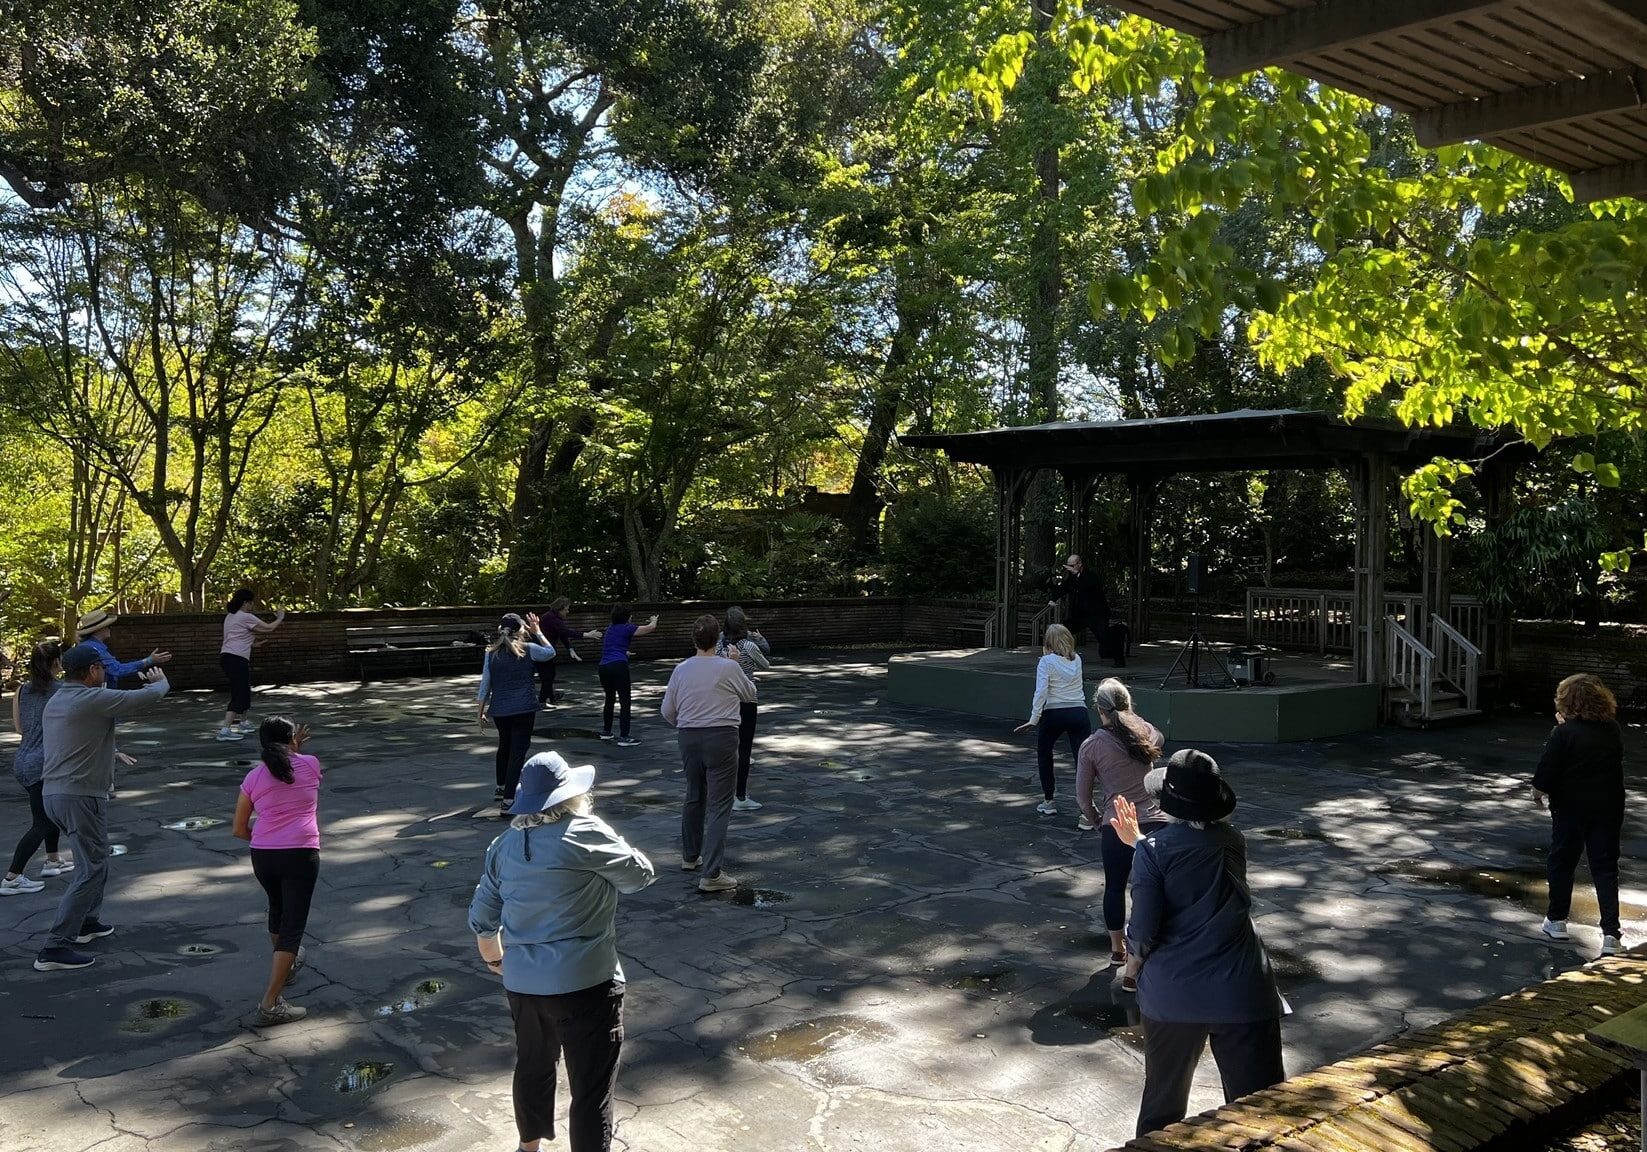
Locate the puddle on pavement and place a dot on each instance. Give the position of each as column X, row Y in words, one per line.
column 421, row 997
column 199, row 950
column 1291, row 968
column 193, row 824
column 362, row 1074
column 1293, row 834
column 752, row 897
column 999, row 980
column 1525, row 886
column 567, row 733
column 1120, row 1020
column 399, row 1132
column 153, row 1015
column 813, row 1039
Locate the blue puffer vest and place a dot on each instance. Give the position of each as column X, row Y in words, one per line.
column 513, row 690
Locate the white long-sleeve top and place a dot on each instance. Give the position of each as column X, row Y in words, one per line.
column 1058, row 684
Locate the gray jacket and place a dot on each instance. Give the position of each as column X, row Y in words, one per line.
column 78, row 725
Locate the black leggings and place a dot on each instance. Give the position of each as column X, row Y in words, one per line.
column 1076, row 723
column 1575, row 833
column 747, row 712
column 288, row 876
column 546, row 680
column 614, row 678
column 42, row 831
column 238, row 670
column 514, row 742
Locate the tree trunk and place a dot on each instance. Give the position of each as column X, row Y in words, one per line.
column 1041, row 326
column 863, row 502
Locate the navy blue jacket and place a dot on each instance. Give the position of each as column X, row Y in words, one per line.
column 1192, row 924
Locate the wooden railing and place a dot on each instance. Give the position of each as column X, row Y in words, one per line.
column 1322, row 620
column 1411, row 666
column 1458, row 662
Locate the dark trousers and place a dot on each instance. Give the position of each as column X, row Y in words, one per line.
column 41, row 831
column 1074, row 722
column 546, row 680
column 1117, row 871
column 514, row 742
column 747, row 712
column 288, row 877
column 709, row 759
column 1248, row 1056
column 84, row 820
column 614, row 681
column 1575, row 833
column 238, row 671
column 587, row 1027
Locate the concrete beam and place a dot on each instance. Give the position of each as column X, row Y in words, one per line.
column 1531, row 108
column 1329, row 25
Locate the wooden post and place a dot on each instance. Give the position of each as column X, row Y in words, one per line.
column 1141, row 491
column 1371, row 480
column 1011, row 484
column 1497, row 483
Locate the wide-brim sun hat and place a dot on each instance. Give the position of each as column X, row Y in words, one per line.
column 547, row 780
column 94, row 621
column 1190, row 787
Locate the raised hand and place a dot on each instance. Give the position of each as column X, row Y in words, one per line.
column 159, row 656
column 1125, row 821
column 300, row 737
column 153, row 675
column 532, row 621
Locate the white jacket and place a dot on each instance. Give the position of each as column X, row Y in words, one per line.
column 1058, row 684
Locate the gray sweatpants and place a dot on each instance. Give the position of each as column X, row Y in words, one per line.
column 84, row 820
column 710, row 757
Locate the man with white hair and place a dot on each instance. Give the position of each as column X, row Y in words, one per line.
column 1087, row 608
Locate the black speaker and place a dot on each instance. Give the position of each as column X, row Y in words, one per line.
column 1194, row 573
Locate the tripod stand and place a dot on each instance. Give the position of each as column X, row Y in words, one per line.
column 1189, row 656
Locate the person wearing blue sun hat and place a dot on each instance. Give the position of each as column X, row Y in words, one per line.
column 543, row 917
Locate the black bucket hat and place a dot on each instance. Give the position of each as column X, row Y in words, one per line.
column 1190, row 787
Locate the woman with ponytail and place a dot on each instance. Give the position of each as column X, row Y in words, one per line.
column 283, row 794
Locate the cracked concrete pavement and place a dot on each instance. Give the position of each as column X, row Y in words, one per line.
column 911, row 964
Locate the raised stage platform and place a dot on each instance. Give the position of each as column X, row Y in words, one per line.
column 1312, row 697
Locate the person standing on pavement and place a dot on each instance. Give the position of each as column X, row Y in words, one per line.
column 79, row 722
column 544, row 919
column 1086, row 606
column 94, row 629
column 283, row 792
column 1581, row 777
column 1059, row 708
column 1115, row 759
column 506, row 694
column 749, row 648
column 552, row 621
column 1204, row 972
column 27, row 705
column 614, row 669
column 242, row 630
column 702, row 702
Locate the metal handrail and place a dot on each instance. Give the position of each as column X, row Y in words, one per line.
column 1459, row 659
column 1411, row 665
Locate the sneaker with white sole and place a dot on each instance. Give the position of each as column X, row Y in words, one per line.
column 628, row 742
column 746, row 805
column 1084, row 825
column 281, row 1013
column 57, row 867
column 18, row 885
column 93, row 930
column 607, row 736
column 1047, row 808
column 692, row 865
column 1554, row 929
column 228, row 735
column 62, row 959
column 1611, row 945
column 720, row 882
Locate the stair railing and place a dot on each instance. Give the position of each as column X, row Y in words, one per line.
column 1411, row 666
column 1458, row 662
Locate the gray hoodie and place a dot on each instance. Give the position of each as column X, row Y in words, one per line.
column 78, row 725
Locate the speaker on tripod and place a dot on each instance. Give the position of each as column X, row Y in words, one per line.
column 1188, row 659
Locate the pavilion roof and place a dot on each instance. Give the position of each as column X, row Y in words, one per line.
column 1217, row 442
column 1560, row 82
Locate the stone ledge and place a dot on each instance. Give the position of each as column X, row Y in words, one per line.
column 1506, row 1074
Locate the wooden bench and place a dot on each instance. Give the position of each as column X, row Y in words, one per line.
column 1509, row 1074
column 393, row 650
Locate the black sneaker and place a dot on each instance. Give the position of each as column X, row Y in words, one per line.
column 497, row 793
column 62, row 959
column 93, row 930
column 628, row 742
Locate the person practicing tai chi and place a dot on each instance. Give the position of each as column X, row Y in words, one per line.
column 749, row 648
column 552, row 622
column 278, row 811
column 79, row 722
column 544, row 919
column 243, row 629
column 1086, row 606
column 27, row 706
column 614, row 669
column 95, row 629
column 702, row 703
column 1581, row 777
column 506, row 694
column 1059, row 708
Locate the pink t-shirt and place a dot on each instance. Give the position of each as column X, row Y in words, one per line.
column 288, row 815
column 239, row 628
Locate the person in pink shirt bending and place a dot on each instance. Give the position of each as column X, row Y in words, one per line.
column 242, row 629
column 283, row 793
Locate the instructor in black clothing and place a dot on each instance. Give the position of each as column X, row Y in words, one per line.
column 1581, row 776
column 1088, row 607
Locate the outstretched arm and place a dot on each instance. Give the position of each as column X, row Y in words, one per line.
column 650, row 626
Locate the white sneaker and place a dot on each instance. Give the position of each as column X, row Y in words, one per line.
column 57, row 867
column 692, row 865
column 746, row 805
column 1611, row 945
column 226, row 735
column 18, row 885
column 721, row 882
column 1554, row 929
column 1083, row 825
column 1047, row 808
